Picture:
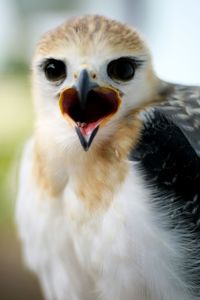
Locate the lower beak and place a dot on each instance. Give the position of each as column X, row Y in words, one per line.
column 88, row 107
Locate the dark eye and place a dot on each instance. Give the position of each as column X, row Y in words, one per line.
column 121, row 69
column 55, row 70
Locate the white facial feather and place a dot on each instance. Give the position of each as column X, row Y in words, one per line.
column 134, row 92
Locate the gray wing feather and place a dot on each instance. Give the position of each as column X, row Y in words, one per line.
column 182, row 107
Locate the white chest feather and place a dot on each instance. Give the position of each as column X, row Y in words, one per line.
column 122, row 253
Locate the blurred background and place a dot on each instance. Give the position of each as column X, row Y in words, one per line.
column 171, row 29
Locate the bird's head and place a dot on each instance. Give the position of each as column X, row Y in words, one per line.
column 89, row 74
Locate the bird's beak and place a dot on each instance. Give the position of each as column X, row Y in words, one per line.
column 88, row 106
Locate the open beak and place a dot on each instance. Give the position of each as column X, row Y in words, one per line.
column 88, row 106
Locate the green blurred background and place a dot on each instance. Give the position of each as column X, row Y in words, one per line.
column 172, row 34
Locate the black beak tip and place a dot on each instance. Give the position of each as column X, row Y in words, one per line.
column 86, row 143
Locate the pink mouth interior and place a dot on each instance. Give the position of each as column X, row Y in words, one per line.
column 86, row 129
column 100, row 103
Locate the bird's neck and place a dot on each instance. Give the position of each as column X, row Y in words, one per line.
column 95, row 174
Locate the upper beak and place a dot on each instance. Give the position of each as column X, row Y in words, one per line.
column 83, row 86
column 87, row 106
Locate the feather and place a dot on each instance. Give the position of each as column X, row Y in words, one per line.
column 182, row 107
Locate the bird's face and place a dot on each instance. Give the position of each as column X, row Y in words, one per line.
column 89, row 74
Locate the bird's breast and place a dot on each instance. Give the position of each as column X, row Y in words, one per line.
column 99, row 232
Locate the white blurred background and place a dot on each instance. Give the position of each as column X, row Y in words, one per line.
column 171, row 27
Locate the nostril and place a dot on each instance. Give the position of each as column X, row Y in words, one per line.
column 94, row 75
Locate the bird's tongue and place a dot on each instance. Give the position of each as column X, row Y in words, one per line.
column 87, row 129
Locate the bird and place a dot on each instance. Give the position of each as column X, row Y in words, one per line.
column 108, row 203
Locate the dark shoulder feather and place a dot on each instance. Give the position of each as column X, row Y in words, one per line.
column 182, row 107
column 171, row 166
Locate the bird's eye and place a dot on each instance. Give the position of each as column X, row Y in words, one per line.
column 121, row 69
column 55, row 70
